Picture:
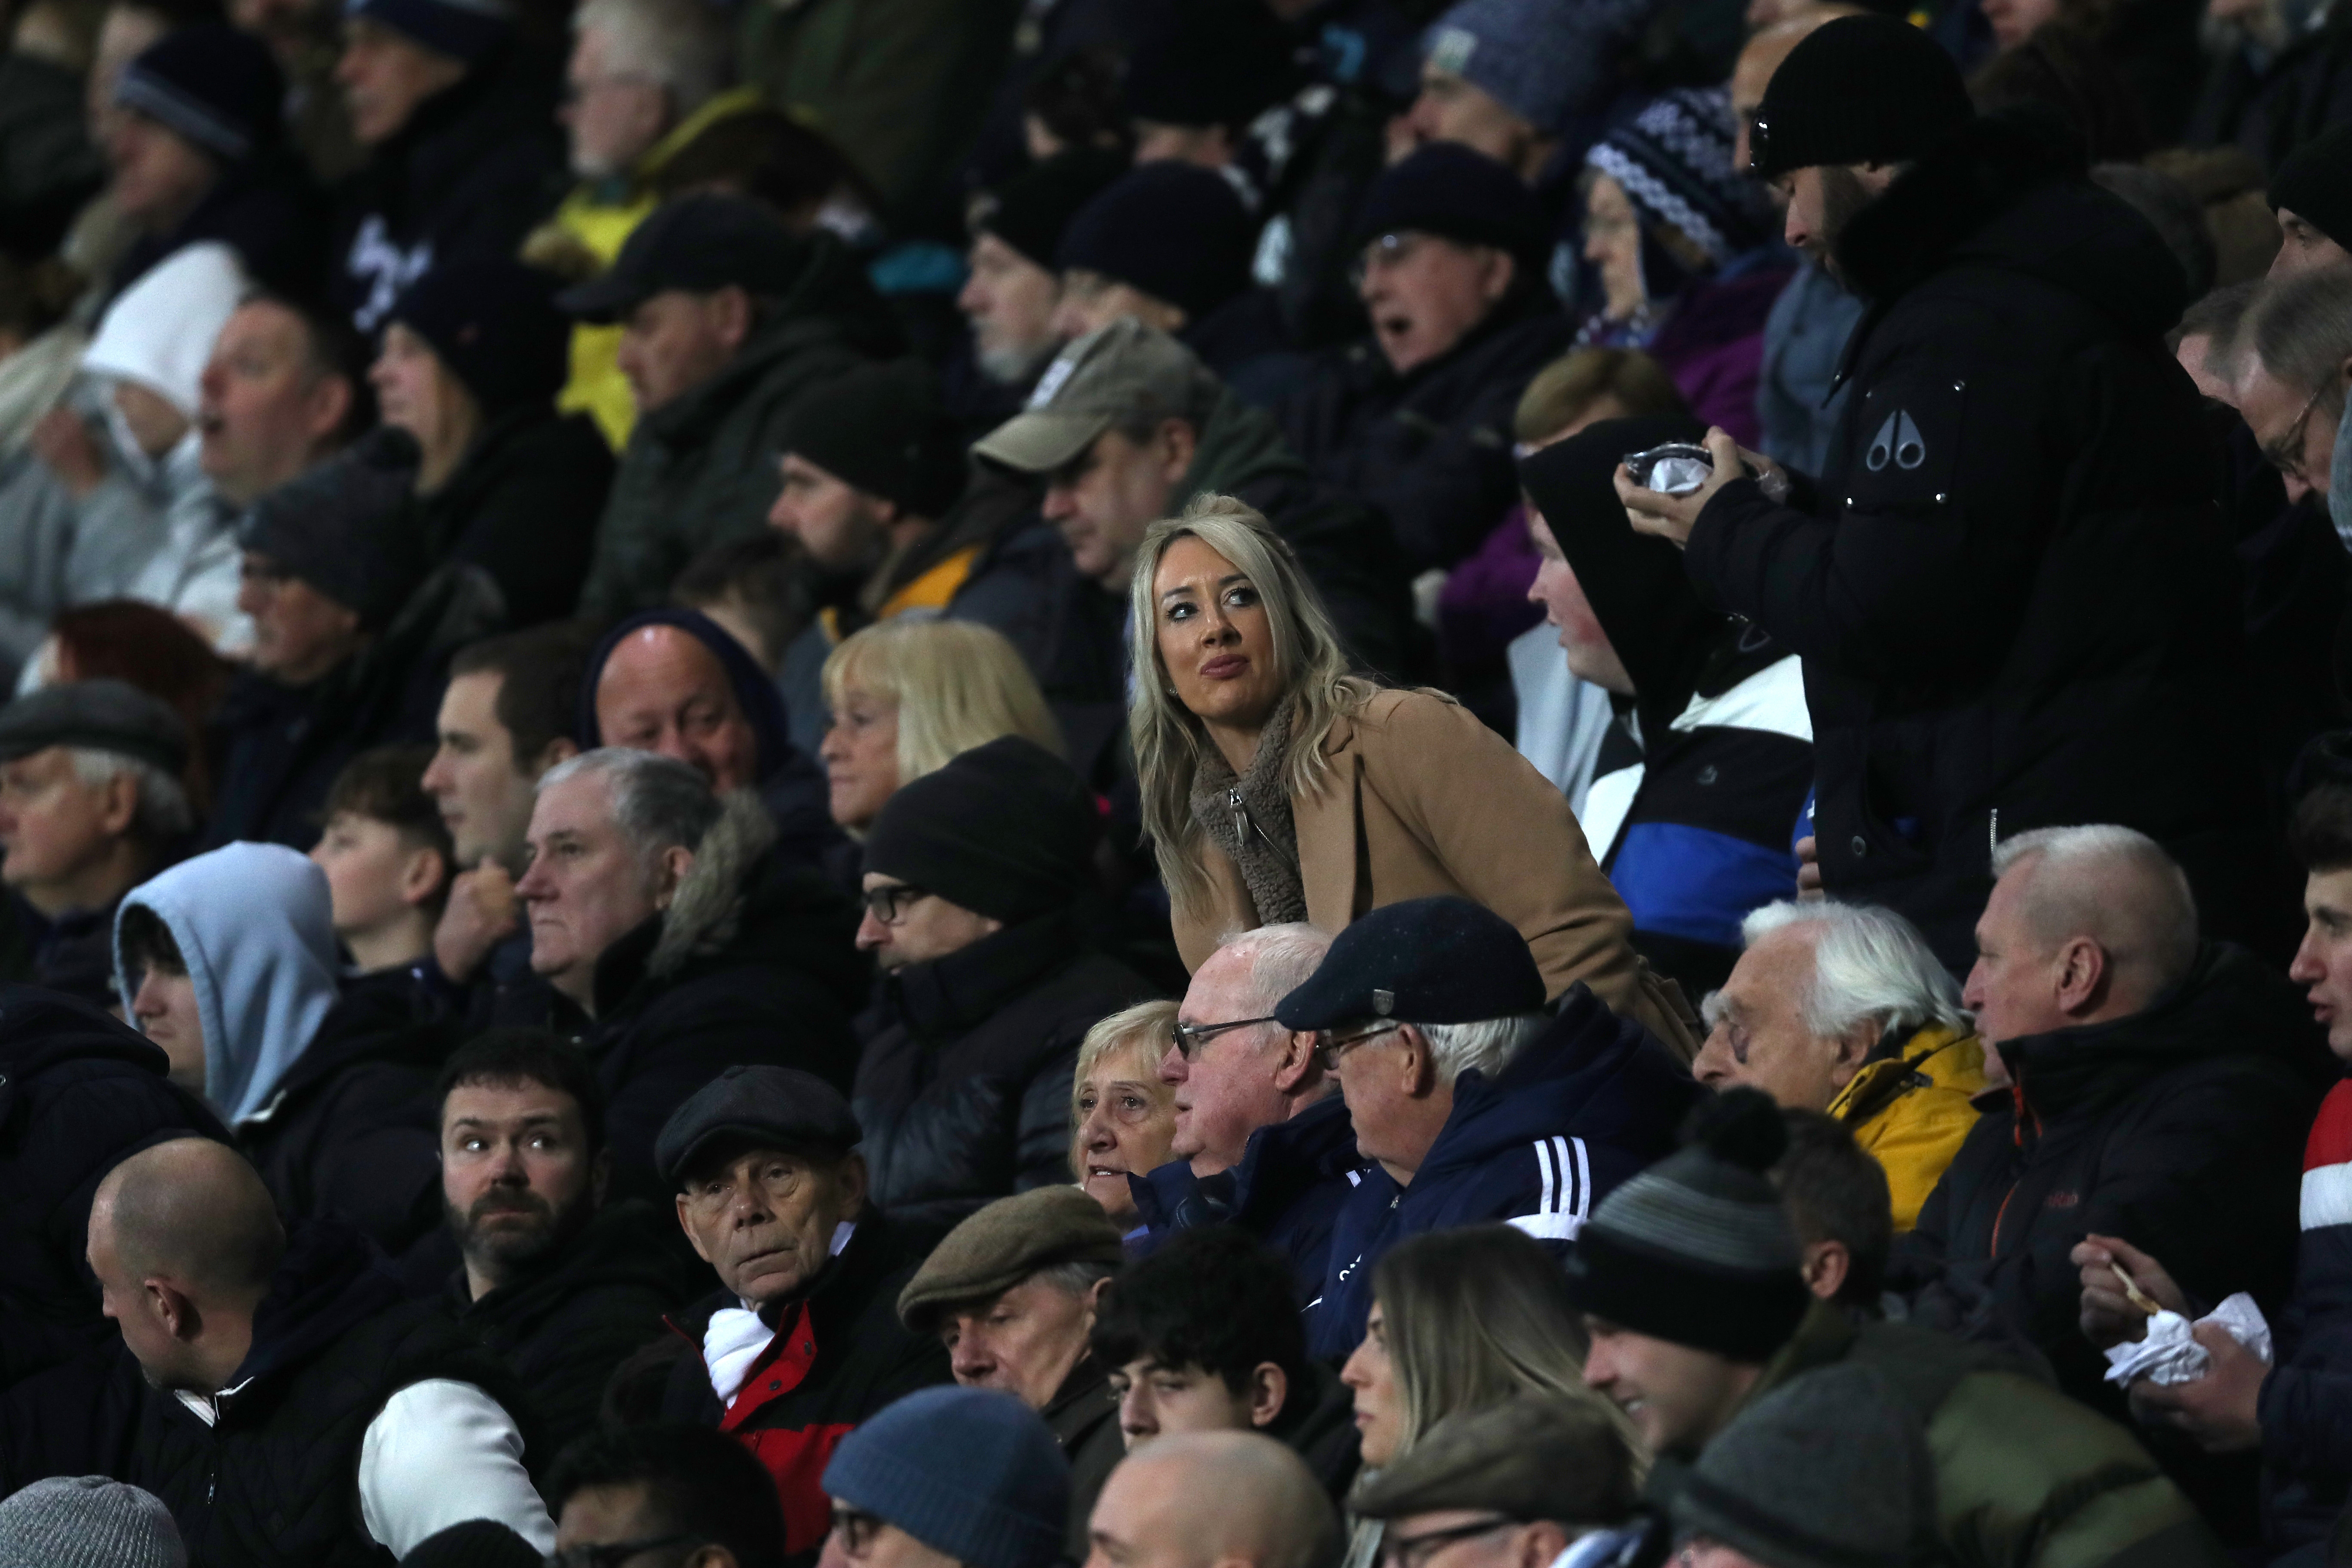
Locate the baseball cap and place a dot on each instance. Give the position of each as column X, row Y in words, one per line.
column 699, row 244
column 1121, row 371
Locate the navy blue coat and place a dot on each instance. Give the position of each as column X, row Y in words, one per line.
column 1578, row 1110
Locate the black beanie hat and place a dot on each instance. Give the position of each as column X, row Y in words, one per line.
column 495, row 325
column 476, row 1543
column 1860, row 89
column 1175, row 231
column 1005, row 829
column 883, row 429
column 1031, row 210
column 342, row 526
column 1207, row 63
column 216, row 86
column 2314, row 184
column 1697, row 1250
column 1445, row 189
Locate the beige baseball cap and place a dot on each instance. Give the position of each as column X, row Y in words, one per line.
column 1123, row 372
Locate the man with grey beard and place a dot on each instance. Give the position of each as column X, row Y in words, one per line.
column 1014, row 287
column 559, row 1286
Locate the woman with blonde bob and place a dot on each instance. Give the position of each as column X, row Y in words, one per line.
column 1122, row 1118
column 907, row 695
column 1277, row 786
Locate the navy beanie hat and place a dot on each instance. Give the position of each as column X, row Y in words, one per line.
column 1033, row 210
column 970, row 1473
column 1445, row 189
column 464, row 30
column 216, row 86
column 343, row 526
column 1859, row 89
column 495, row 325
column 2315, row 183
column 1004, row 829
column 755, row 690
column 1207, row 63
column 1174, row 231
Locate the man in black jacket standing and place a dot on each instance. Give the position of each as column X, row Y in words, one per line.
column 2013, row 595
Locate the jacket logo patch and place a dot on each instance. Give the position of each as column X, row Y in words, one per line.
column 1898, row 441
column 2061, row 1200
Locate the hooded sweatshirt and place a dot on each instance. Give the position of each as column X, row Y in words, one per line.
column 254, row 925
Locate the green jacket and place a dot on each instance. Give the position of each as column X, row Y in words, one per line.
column 701, row 469
column 2026, row 1477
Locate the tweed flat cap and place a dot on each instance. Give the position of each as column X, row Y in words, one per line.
column 1535, row 1457
column 1004, row 1243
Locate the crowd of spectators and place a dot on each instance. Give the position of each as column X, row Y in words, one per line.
column 1175, row 783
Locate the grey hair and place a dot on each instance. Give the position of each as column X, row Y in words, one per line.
column 1076, row 1279
column 2300, row 328
column 658, row 803
column 1870, row 965
column 676, row 45
column 1489, row 1044
column 2158, row 927
column 162, row 813
column 1282, row 959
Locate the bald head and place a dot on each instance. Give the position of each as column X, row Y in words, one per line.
column 2084, row 924
column 191, row 1211
column 1203, row 1497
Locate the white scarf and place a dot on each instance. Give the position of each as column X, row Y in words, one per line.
column 735, row 1336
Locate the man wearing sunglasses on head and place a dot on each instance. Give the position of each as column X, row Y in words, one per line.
column 977, row 882
column 1473, row 1100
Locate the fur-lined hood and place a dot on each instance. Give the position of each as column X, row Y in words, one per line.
column 707, row 912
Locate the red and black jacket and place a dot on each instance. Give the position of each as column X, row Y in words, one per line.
column 839, row 1356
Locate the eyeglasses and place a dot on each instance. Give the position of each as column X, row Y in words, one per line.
column 1760, row 138
column 620, row 1552
column 1415, row 1551
column 856, row 1529
column 1189, row 1037
column 889, row 905
column 1333, row 1046
column 2285, row 453
column 1381, row 252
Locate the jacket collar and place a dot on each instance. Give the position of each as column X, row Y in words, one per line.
column 1937, row 1053
column 948, row 996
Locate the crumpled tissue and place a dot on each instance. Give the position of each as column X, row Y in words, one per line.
column 2169, row 1355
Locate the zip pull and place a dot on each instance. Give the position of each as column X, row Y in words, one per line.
column 1242, row 823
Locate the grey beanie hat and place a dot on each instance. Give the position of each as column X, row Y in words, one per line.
column 87, row 1521
column 970, row 1472
column 1825, row 1471
column 1547, row 62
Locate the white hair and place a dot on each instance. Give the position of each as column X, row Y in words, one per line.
column 679, row 46
column 658, row 803
column 1282, row 958
column 1870, row 965
column 2154, row 919
column 1489, row 1044
column 163, row 812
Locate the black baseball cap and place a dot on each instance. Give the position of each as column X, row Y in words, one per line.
column 756, row 1108
column 699, row 244
column 1424, row 961
column 99, row 716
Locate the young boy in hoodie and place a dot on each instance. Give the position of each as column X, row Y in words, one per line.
column 387, row 858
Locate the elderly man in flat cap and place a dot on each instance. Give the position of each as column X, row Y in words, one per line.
column 1512, row 1486
column 1012, row 1294
column 802, row 1341
column 92, row 803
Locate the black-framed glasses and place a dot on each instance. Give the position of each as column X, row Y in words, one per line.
column 889, row 905
column 1380, row 252
column 856, row 1529
column 1415, row 1551
column 616, row 1552
column 1189, row 1038
column 2285, row 453
column 1335, row 1044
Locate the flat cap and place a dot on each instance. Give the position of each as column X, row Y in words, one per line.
column 1539, row 1455
column 1424, row 961
column 755, row 1107
column 99, row 715
column 1004, row 1243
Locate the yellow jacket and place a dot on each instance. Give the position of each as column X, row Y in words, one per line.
column 600, row 215
column 1910, row 1110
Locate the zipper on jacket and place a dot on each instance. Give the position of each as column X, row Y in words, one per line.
column 1246, row 824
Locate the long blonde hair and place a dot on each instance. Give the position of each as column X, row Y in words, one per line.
column 1307, row 656
column 955, row 684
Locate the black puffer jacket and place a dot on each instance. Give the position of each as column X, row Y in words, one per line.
column 564, row 1329
column 753, row 963
column 275, row 1484
column 2015, row 595
column 79, row 1094
column 353, row 1133
column 1430, row 449
column 522, row 505
column 963, row 1091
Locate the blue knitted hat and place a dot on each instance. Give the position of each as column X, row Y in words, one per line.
column 465, row 30
column 1547, row 62
column 970, row 1473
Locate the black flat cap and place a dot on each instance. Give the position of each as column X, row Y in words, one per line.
column 1424, row 961
column 699, row 244
column 99, row 715
column 756, row 1107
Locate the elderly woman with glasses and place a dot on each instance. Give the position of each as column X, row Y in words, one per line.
column 1278, row 787
column 1122, row 1116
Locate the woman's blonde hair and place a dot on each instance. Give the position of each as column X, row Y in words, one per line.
column 1149, row 1025
column 1474, row 1317
column 1167, row 738
column 957, row 685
